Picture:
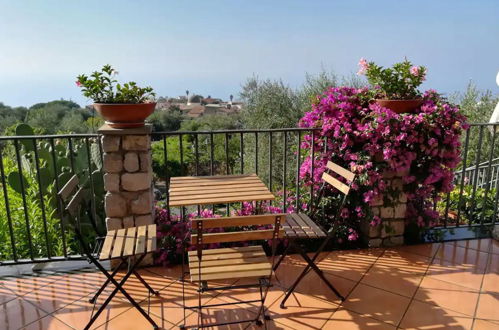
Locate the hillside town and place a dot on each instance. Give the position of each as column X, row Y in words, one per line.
column 195, row 106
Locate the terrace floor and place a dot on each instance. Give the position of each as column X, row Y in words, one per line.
column 433, row 286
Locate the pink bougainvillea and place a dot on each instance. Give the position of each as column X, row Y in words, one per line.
column 369, row 140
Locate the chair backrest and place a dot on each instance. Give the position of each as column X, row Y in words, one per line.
column 344, row 173
column 71, row 196
column 201, row 225
column 329, row 180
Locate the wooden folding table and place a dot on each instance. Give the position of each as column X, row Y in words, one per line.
column 224, row 189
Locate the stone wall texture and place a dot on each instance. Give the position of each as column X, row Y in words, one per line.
column 391, row 208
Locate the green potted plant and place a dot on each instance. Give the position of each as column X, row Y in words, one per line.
column 122, row 106
column 396, row 87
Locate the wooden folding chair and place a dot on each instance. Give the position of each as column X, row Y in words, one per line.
column 129, row 245
column 233, row 263
column 300, row 227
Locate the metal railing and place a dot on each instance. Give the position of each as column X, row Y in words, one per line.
column 33, row 168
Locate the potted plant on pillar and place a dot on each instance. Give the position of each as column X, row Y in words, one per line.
column 397, row 87
column 122, row 106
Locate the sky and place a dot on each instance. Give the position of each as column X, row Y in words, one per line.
column 213, row 47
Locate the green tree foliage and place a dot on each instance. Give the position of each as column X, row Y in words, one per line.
column 166, row 121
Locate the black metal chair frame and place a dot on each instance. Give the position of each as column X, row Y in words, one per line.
column 311, row 265
column 74, row 209
column 264, row 284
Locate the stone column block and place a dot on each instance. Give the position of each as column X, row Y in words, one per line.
column 113, row 162
column 131, row 162
column 136, row 181
column 136, row 142
column 112, row 182
column 111, row 143
column 143, row 204
column 115, row 205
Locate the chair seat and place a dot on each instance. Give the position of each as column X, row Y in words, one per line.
column 225, row 263
column 128, row 242
column 299, row 225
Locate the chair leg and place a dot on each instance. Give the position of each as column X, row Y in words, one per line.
column 310, row 265
column 148, row 287
column 94, row 298
column 119, row 287
column 281, row 258
column 320, row 273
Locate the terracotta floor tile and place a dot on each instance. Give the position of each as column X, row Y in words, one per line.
column 313, row 285
column 47, row 323
column 488, row 307
column 491, row 278
column 6, row 295
column 427, row 250
column 234, row 295
column 376, row 303
column 286, row 274
column 221, row 314
column 296, row 259
column 18, row 313
column 462, row 256
column 485, row 325
column 169, row 305
column 483, row 245
column 61, row 292
column 26, row 284
column 351, row 264
column 495, row 247
column 78, row 313
column 132, row 319
column 403, row 261
column 169, row 272
column 302, row 312
column 427, row 316
column 448, row 295
column 347, row 320
column 464, row 275
column 393, row 280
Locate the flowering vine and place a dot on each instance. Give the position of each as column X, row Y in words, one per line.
column 371, row 141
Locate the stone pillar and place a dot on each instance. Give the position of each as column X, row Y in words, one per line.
column 128, row 177
column 391, row 208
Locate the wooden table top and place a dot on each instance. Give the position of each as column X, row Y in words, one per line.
column 204, row 190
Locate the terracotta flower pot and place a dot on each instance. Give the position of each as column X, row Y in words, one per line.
column 400, row 106
column 125, row 115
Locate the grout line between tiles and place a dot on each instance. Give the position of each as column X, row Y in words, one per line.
column 416, row 291
column 489, row 260
column 355, row 286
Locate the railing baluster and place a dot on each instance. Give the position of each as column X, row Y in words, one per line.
column 312, row 145
column 488, row 177
column 463, row 175
column 477, row 165
column 298, row 165
column 92, row 190
column 196, row 153
column 284, row 170
column 59, row 205
column 42, row 201
column 181, row 151
column 241, row 148
column 7, row 208
column 256, row 153
column 270, row 160
column 23, row 194
column 212, row 154
column 227, row 171
column 166, row 177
